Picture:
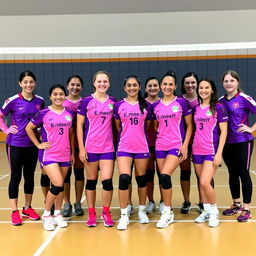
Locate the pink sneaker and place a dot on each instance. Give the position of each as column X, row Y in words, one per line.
column 16, row 219
column 30, row 214
column 91, row 221
column 107, row 219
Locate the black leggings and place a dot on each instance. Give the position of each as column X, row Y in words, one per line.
column 21, row 158
column 237, row 157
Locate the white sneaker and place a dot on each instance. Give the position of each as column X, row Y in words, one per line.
column 165, row 220
column 59, row 221
column 142, row 216
column 203, row 217
column 48, row 223
column 161, row 207
column 123, row 222
column 150, row 207
column 213, row 220
column 130, row 209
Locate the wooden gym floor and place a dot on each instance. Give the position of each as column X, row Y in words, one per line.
column 184, row 237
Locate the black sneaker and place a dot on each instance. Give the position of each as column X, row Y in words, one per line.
column 200, row 207
column 185, row 208
column 78, row 209
column 67, row 211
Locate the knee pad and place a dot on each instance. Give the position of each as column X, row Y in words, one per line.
column 185, row 175
column 67, row 178
column 124, row 181
column 107, row 185
column 79, row 174
column 55, row 190
column 150, row 175
column 141, row 181
column 166, row 181
column 45, row 181
column 91, row 184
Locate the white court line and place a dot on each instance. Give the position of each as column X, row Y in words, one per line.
column 4, row 176
column 46, row 242
column 254, row 172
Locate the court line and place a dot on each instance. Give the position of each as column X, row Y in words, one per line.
column 4, row 176
column 46, row 242
column 253, row 172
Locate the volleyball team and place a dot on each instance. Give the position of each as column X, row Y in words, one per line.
column 148, row 134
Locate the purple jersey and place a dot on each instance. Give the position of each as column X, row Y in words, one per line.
column 21, row 111
column 55, row 129
column 170, row 117
column 206, row 137
column 132, row 137
column 98, row 134
column 238, row 109
column 151, row 131
column 192, row 103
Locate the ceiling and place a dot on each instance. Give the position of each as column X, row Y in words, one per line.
column 58, row 7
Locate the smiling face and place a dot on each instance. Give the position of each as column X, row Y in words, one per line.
column 152, row 87
column 57, row 97
column 190, row 85
column 230, row 84
column 168, row 86
column 74, row 87
column 27, row 84
column 101, row 83
column 132, row 87
column 205, row 90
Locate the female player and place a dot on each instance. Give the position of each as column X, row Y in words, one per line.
column 172, row 141
column 131, row 116
column 151, row 95
column 72, row 101
column 238, row 149
column 210, row 120
column 96, row 148
column 22, row 153
column 55, row 151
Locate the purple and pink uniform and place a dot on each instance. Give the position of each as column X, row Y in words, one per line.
column 152, row 134
column 206, row 137
column 98, row 134
column 55, row 128
column 21, row 111
column 192, row 103
column 238, row 109
column 132, row 137
column 170, row 117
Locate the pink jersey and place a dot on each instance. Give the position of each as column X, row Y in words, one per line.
column 132, row 137
column 98, row 134
column 55, row 129
column 152, row 134
column 72, row 105
column 170, row 117
column 206, row 138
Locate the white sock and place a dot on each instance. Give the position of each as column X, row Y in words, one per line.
column 124, row 211
column 214, row 209
column 142, row 207
column 56, row 212
column 46, row 213
column 207, row 207
column 167, row 209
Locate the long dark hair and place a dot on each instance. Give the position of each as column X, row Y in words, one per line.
column 214, row 98
column 75, row 76
column 142, row 101
column 26, row 73
column 57, row 86
column 189, row 74
column 146, row 82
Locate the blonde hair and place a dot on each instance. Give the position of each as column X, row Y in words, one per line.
column 235, row 75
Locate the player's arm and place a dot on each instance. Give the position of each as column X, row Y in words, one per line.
column 80, row 137
column 12, row 129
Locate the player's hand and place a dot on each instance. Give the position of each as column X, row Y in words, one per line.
column 183, row 153
column 83, row 156
column 13, row 129
column 244, row 128
column 44, row 145
column 217, row 161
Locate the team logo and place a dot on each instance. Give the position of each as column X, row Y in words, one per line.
column 236, row 105
column 209, row 113
column 68, row 118
column 175, row 109
column 111, row 106
column 7, row 101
